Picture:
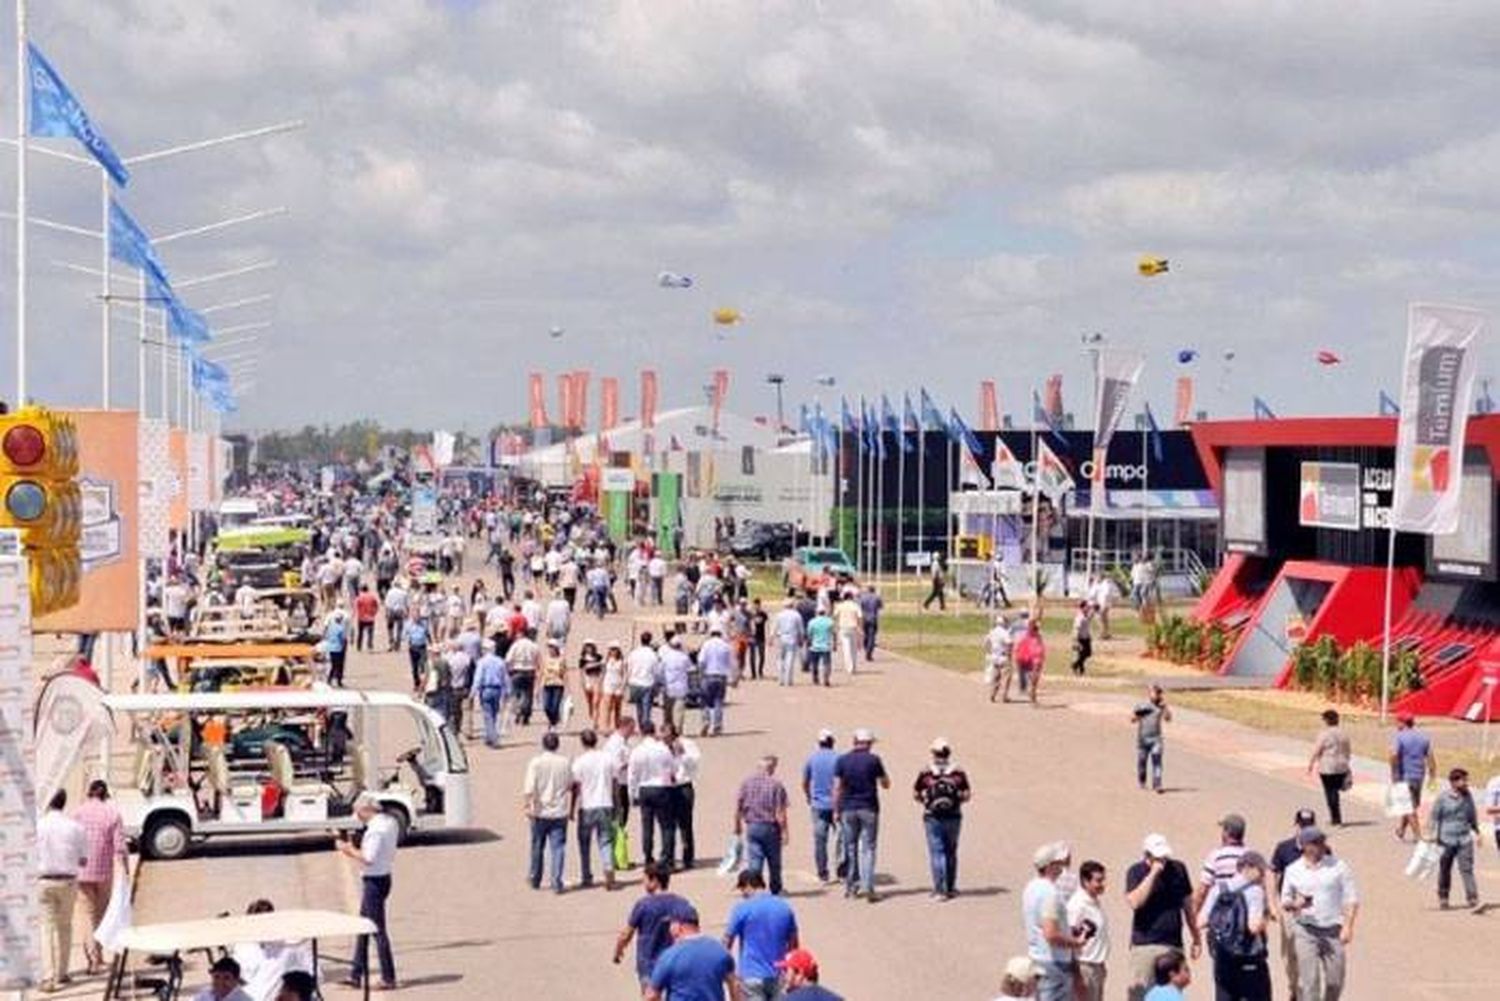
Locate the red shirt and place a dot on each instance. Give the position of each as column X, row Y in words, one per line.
column 366, row 607
column 517, row 626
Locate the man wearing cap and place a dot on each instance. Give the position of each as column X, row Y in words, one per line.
column 766, row 929
column 760, row 817
column 1319, row 897
column 790, row 635
column 716, row 662
column 1050, row 942
column 1283, row 855
column 1412, row 763
column 1220, row 865
column 676, row 666
column 1159, row 892
column 799, row 978
column 1240, row 970
column 858, row 777
column 997, row 666
column 942, row 788
column 375, row 854
column 817, row 790
column 492, row 681
column 223, row 982
column 696, row 968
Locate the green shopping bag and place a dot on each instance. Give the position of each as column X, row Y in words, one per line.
column 620, row 844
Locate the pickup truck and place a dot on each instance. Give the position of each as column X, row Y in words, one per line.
column 810, row 568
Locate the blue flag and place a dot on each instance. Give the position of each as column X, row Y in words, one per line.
column 55, row 112
column 932, row 417
column 185, row 324
column 846, row 418
column 890, row 422
column 128, row 243
column 158, row 288
column 1154, row 430
column 961, row 435
column 1263, row 412
column 1040, row 415
column 909, row 420
column 1388, row 406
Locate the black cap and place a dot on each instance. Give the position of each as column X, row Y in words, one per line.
column 1305, row 818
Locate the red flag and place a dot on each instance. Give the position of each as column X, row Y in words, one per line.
column 721, row 390
column 565, row 399
column 538, row 395
column 1184, row 399
column 580, row 399
column 989, row 406
column 609, row 402
column 1052, row 398
column 648, row 397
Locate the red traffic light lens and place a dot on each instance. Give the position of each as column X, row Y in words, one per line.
column 26, row 501
column 24, row 445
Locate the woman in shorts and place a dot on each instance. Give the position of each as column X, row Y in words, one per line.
column 591, row 669
column 614, row 686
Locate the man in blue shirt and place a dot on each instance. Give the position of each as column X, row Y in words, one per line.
column 492, row 682
column 858, row 777
column 695, row 968
column 820, row 648
column 650, row 921
column 1412, row 762
column 817, row 788
column 716, row 662
column 767, row 931
column 1172, row 977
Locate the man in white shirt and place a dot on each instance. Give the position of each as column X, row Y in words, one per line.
column 675, row 668
column 62, row 852
column 1319, row 896
column 375, row 854
column 618, row 747
column 651, row 774
column 997, row 664
column 1087, row 920
column 684, row 795
column 790, row 633
column 174, row 604
column 656, row 571
column 1101, row 595
column 547, row 792
column 594, row 792
column 532, row 610
column 397, row 601
column 642, row 672
column 559, row 619
column 850, row 622
column 1492, row 805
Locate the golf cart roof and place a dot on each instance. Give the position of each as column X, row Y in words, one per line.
column 231, row 651
column 322, row 697
column 273, row 926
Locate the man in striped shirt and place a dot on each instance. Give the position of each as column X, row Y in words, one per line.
column 760, row 817
column 1221, row 864
column 104, row 832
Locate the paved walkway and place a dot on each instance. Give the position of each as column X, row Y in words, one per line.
column 466, row 925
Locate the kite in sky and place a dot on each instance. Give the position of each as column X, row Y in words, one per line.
column 1326, row 357
column 671, row 279
column 555, row 332
column 1150, row 267
column 727, row 316
column 1187, row 356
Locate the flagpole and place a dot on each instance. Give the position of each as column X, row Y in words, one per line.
column 948, row 508
column 104, row 298
column 921, row 484
column 22, row 127
column 880, row 508
column 901, row 509
column 1145, row 489
column 1385, row 633
column 1036, row 474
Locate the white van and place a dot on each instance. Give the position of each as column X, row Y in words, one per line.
column 236, row 512
column 262, row 763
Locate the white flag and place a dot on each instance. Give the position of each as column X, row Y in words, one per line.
column 1436, row 388
column 1115, row 375
column 442, row 448
column 1052, row 477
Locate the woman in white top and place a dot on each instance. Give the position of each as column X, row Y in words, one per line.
column 614, row 686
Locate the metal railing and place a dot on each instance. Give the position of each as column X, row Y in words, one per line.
column 1168, row 561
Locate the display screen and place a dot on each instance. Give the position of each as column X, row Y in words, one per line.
column 1470, row 551
column 1245, row 501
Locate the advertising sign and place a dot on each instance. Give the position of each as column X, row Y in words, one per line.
column 1330, row 496
column 424, row 514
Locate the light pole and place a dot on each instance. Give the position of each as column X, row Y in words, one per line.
column 778, row 380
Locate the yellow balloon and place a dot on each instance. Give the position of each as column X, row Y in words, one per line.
column 726, row 316
column 1150, row 266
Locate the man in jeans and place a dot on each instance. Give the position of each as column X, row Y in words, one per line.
column 1455, row 826
column 593, row 791
column 760, row 817
column 942, row 788
column 375, row 854
column 817, row 789
column 1150, row 718
column 548, row 794
column 716, row 661
column 858, row 777
column 1050, row 943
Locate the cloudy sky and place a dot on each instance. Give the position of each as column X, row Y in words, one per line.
column 901, row 194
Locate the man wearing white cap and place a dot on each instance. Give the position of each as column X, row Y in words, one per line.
column 716, row 661
column 817, row 790
column 1050, row 943
column 858, row 777
column 1160, row 894
column 942, row 788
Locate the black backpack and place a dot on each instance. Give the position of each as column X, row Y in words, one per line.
column 942, row 796
column 1229, row 927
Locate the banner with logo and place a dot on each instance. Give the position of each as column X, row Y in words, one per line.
column 609, row 402
column 443, row 443
column 109, row 487
column 648, row 398
column 1330, row 495
column 989, row 406
column 1437, row 385
column 720, row 391
column 538, row 400
column 579, row 397
column 1115, row 375
column 70, row 716
column 157, row 484
column 1052, row 477
column 1184, row 411
column 177, row 454
column 1052, row 401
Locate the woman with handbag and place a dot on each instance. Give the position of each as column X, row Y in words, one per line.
column 1330, row 756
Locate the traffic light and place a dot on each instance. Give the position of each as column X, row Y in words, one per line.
column 39, row 497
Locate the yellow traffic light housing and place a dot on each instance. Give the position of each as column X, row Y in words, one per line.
column 39, row 497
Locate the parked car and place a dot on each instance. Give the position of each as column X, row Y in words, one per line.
column 763, row 540
column 812, row 567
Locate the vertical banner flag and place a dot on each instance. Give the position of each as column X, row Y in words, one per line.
column 609, row 402
column 1052, row 401
column 565, row 398
column 1184, row 411
column 989, row 406
column 55, row 113
column 1436, row 386
column 580, row 398
column 720, row 391
column 128, row 243
column 1115, row 375
column 538, row 395
column 648, row 397
column 1006, row 471
column 155, row 489
column 1158, row 449
column 443, row 443
column 1052, row 477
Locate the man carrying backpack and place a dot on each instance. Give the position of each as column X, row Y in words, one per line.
column 942, row 788
column 1235, row 925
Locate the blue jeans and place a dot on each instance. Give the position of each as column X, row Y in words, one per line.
column 1148, row 752
column 861, row 831
column 596, row 831
column 1055, row 981
column 787, row 664
column 763, row 848
column 640, row 698
column 822, row 823
column 490, row 699
column 715, row 686
column 374, row 891
column 552, row 700
column 551, row 833
column 942, row 851
column 821, row 663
